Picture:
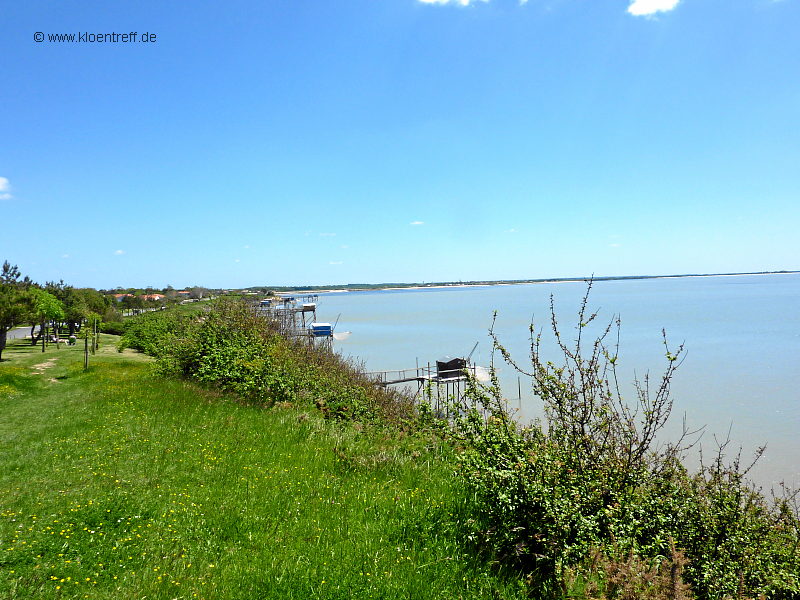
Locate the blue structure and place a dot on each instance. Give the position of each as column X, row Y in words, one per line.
column 321, row 330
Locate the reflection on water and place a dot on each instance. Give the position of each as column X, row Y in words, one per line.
column 741, row 333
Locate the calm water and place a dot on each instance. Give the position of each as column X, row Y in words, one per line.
column 741, row 333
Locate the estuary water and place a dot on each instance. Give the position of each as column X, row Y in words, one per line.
column 739, row 377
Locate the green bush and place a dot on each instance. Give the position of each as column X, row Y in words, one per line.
column 114, row 328
column 591, row 481
column 236, row 349
column 153, row 333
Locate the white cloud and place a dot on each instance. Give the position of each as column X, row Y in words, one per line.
column 643, row 8
column 417, row 223
column 512, row 230
column 236, row 260
column 65, row 256
column 5, row 189
column 119, row 252
column 459, row 2
column 614, row 245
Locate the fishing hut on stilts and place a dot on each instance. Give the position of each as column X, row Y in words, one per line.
column 443, row 384
column 297, row 318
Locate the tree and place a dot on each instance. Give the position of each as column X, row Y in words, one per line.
column 13, row 296
column 44, row 308
column 89, row 333
column 78, row 303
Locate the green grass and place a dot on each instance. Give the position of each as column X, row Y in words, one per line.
column 117, row 484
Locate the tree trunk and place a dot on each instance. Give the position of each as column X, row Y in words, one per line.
column 3, row 335
column 34, row 339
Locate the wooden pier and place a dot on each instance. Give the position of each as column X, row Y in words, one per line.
column 290, row 314
column 443, row 384
column 423, row 374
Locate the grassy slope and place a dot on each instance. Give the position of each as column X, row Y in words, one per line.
column 117, row 484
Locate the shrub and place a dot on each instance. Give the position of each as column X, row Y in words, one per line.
column 154, row 332
column 590, row 479
column 235, row 348
column 114, row 328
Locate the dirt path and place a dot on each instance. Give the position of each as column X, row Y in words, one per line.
column 43, row 366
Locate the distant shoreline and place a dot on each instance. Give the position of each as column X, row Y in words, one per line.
column 458, row 284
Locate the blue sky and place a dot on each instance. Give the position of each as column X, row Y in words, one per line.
column 297, row 142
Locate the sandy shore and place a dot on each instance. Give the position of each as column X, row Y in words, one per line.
column 533, row 282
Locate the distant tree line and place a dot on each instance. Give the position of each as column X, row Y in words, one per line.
column 57, row 306
column 61, row 309
column 195, row 292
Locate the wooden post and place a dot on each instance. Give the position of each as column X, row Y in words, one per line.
column 438, row 396
column 428, row 384
column 86, row 351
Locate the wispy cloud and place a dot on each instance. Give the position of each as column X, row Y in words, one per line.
column 614, row 245
column 644, row 8
column 417, row 223
column 459, row 2
column 65, row 256
column 119, row 252
column 5, row 189
column 639, row 8
column 335, row 262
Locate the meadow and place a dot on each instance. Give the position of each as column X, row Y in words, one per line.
column 117, row 483
column 241, row 462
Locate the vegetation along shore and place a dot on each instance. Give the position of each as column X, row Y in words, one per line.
column 203, row 453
